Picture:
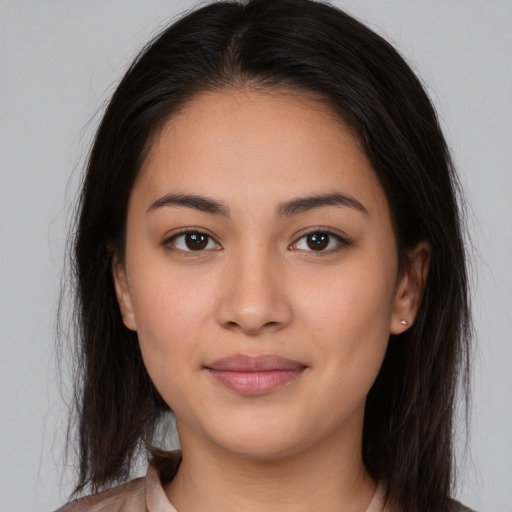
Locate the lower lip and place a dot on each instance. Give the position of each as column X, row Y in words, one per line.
column 255, row 382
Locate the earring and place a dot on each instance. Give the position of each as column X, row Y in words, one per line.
column 403, row 322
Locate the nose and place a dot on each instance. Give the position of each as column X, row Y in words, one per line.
column 253, row 298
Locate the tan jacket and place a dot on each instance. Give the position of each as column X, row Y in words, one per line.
column 147, row 495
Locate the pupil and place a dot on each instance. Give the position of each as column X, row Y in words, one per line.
column 196, row 241
column 318, row 241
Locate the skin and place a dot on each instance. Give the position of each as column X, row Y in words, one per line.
column 258, row 288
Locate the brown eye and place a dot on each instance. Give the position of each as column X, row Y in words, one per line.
column 196, row 241
column 318, row 241
column 193, row 241
column 321, row 242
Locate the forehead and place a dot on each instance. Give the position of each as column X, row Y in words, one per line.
column 264, row 144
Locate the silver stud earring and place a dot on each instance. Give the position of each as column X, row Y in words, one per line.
column 403, row 322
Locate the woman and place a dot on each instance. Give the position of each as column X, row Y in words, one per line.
column 269, row 245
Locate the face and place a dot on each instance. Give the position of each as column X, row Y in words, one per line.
column 260, row 273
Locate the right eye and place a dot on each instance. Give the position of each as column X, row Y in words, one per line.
column 193, row 241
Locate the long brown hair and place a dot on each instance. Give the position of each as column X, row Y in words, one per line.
column 305, row 46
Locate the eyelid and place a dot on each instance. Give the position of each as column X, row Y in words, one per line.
column 190, row 229
column 343, row 240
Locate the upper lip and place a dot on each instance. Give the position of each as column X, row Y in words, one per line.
column 261, row 363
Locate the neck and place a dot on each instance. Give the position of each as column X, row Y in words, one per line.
column 329, row 476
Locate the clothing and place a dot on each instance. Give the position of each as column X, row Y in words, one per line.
column 139, row 495
column 147, row 495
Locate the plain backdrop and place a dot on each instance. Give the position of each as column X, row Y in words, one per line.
column 59, row 62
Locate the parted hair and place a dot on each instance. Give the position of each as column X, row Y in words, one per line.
column 301, row 46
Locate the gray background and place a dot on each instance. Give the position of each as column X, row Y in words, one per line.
column 59, row 63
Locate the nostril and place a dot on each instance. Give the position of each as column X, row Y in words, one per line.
column 252, row 329
column 253, row 310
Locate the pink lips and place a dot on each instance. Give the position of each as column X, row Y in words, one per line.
column 254, row 375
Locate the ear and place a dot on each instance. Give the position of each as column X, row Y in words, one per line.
column 410, row 288
column 124, row 298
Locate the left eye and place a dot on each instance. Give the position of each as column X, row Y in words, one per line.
column 319, row 241
column 193, row 241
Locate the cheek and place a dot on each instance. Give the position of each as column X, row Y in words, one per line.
column 357, row 303
column 166, row 328
column 350, row 335
column 170, row 311
column 169, row 301
column 348, row 319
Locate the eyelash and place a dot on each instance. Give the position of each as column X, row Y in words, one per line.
column 341, row 242
column 171, row 241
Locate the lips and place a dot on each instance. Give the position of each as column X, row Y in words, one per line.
column 254, row 375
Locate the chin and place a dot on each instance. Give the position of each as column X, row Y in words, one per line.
column 259, row 438
column 261, row 447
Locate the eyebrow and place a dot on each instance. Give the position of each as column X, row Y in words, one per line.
column 303, row 204
column 286, row 209
column 201, row 203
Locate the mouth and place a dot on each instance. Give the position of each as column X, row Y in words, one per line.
column 254, row 375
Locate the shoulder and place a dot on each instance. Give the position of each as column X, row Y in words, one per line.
column 128, row 497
